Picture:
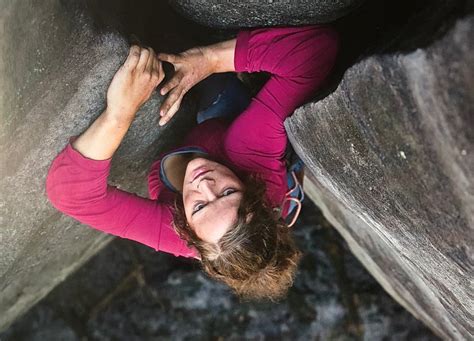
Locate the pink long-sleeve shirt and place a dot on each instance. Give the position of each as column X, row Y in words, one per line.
column 298, row 59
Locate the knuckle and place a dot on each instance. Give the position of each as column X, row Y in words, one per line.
column 134, row 50
column 134, row 55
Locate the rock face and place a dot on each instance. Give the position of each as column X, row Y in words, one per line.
column 333, row 298
column 391, row 157
column 390, row 152
column 249, row 13
column 54, row 72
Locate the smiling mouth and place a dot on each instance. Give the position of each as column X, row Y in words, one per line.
column 200, row 172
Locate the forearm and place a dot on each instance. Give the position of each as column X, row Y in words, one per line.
column 131, row 86
column 221, row 56
column 298, row 53
column 103, row 137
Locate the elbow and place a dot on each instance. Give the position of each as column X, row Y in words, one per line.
column 313, row 54
column 55, row 192
column 329, row 45
column 333, row 42
column 323, row 50
column 61, row 187
column 72, row 188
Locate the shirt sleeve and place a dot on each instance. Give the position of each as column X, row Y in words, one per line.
column 77, row 186
column 299, row 60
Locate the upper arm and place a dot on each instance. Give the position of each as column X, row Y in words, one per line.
column 299, row 60
column 78, row 187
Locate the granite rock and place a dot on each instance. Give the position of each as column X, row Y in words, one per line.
column 55, row 67
column 389, row 152
column 249, row 13
column 390, row 155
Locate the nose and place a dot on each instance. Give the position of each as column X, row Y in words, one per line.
column 207, row 187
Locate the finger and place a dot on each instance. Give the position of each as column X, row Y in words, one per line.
column 157, row 72
column 150, row 62
column 170, row 100
column 144, row 53
column 160, row 71
column 165, row 107
column 171, row 84
column 172, row 107
column 167, row 57
column 133, row 56
column 175, row 107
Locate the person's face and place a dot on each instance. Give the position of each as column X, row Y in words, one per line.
column 211, row 196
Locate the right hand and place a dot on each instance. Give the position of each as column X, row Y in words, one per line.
column 134, row 83
column 191, row 67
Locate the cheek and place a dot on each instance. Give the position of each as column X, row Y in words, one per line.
column 187, row 203
column 226, row 175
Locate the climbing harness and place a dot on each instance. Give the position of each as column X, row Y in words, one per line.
column 294, row 197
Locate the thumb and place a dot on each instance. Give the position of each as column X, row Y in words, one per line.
column 170, row 58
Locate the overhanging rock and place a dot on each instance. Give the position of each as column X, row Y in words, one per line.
column 391, row 157
column 251, row 13
column 54, row 73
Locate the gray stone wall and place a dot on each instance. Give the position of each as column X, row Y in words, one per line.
column 391, row 161
column 55, row 68
column 389, row 152
column 251, row 13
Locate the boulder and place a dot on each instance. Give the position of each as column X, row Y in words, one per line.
column 250, row 13
column 55, row 67
column 389, row 152
column 390, row 159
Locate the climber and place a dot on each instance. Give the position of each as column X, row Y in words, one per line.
column 225, row 197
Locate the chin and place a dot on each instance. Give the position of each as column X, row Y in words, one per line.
column 193, row 165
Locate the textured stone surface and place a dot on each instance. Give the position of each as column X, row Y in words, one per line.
column 250, row 13
column 153, row 296
column 54, row 72
column 391, row 153
column 390, row 150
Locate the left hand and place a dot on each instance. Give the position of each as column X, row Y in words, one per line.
column 134, row 83
column 191, row 67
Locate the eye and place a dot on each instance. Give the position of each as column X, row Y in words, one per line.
column 228, row 191
column 199, row 206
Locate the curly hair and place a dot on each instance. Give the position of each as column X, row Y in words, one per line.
column 257, row 257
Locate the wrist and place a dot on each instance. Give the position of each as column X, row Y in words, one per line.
column 221, row 56
column 119, row 115
column 211, row 58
